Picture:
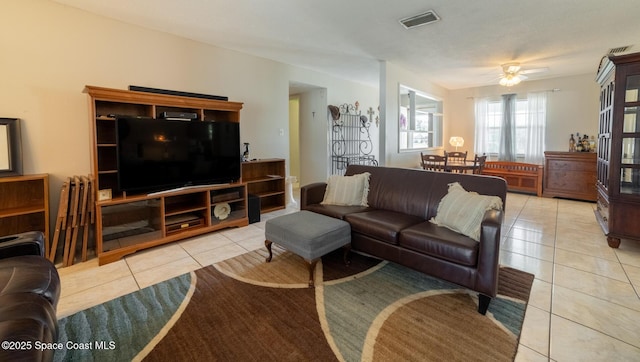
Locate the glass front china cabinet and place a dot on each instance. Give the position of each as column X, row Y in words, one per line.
column 618, row 182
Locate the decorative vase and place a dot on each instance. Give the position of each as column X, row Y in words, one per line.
column 245, row 154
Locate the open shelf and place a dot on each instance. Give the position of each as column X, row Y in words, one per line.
column 266, row 180
column 24, row 204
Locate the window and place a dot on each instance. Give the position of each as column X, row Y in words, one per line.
column 494, row 124
column 527, row 117
column 420, row 121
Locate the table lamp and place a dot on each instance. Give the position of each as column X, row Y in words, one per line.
column 456, row 142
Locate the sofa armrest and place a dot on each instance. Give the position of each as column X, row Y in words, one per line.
column 312, row 194
column 489, row 253
column 29, row 243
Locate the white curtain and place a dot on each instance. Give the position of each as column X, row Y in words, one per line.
column 536, row 121
column 496, row 135
column 481, row 144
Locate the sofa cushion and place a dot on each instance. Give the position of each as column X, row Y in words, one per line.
column 383, row 225
column 462, row 211
column 337, row 211
column 418, row 192
column 440, row 242
column 347, row 190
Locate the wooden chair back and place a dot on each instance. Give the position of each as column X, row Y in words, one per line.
column 433, row 162
column 456, row 156
column 478, row 164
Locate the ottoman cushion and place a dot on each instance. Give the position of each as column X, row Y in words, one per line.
column 308, row 234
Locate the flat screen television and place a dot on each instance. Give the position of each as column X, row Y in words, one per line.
column 157, row 154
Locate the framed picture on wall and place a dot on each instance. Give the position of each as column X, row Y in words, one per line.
column 10, row 147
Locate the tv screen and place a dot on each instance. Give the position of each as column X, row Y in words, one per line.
column 156, row 155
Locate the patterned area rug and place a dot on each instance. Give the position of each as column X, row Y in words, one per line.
column 244, row 309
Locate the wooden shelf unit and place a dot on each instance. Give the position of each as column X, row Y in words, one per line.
column 266, row 179
column 570, row 174
column 24, row 205
column 128, row 223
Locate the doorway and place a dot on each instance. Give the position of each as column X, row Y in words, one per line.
column 308, row 134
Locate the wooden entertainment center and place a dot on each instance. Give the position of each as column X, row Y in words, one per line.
column 129, row 223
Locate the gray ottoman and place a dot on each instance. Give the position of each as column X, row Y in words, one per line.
column 308, row 235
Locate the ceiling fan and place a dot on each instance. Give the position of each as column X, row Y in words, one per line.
column 513, row 74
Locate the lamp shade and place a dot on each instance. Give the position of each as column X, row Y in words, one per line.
column 456, row 141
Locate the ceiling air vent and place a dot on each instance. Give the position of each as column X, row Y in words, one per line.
column 619, row 50
column 421, row 19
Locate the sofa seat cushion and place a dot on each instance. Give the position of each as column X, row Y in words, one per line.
column 440, row 242
column 383, row 225
column 336, row 211
column 30, row 274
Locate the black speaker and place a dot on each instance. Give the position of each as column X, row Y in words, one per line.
column 253, row 203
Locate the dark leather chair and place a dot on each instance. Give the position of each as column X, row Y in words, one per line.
column 29, row 294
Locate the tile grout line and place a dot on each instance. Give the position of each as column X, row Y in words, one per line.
column 553, row 281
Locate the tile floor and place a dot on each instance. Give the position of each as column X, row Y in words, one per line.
column 584, row 305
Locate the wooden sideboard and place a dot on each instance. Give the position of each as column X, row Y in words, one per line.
column 570, row 174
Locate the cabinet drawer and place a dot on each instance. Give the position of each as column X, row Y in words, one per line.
column 603, row 209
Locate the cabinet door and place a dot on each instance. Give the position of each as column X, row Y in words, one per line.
column 604, row 134
column 125, row 224
column 630, row 155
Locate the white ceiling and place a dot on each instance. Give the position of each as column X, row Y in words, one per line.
column 348, row 38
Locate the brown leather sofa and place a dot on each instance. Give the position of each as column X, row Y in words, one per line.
column 395, row 226
column 29, row 293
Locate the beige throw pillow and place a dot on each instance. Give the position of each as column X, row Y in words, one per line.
column 462, row 211
column 347, row 190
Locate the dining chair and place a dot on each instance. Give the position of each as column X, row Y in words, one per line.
column 456, row 157
column 478, row 164
column 433, row 162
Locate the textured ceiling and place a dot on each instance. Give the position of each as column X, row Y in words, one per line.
column 348, row 38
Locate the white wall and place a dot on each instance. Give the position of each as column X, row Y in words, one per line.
column 294, row 138
column 313, row 129
column 50, row 52
column 391, row 78
column 573, row 108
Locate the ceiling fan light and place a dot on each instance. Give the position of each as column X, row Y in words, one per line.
column 510, row 80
